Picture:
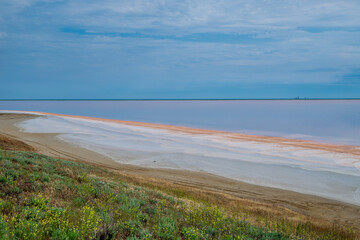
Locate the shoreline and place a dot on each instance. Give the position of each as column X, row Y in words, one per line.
column 307, row 205
column 305, row 144
column 325, row 170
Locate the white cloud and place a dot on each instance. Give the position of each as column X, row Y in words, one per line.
column 205, row 15
column 15, row 6
column 288, row 45
column 179, row 17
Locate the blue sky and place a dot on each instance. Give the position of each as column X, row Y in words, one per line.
column 179, row 49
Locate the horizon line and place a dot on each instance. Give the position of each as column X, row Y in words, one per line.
column 177, row 99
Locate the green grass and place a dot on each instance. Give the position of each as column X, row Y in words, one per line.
column 47, row 198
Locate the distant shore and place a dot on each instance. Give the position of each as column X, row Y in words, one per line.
column 185, row 99
column 307, row 205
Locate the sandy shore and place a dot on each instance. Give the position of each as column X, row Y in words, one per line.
column 307, row 205
column 307, row 144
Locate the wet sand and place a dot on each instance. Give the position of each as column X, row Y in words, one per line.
column 306, row 205
column 307, row 144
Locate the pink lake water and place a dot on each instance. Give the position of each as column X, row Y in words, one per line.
column 334, row 121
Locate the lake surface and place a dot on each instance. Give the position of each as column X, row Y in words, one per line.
column 332, row 121
column 327, row 174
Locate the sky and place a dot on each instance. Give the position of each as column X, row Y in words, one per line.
column 179, row 49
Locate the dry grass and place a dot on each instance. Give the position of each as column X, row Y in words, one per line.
column 260, row 214
column 7, row 143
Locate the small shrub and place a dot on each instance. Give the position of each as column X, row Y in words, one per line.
column 166, row 229
column 133, row 227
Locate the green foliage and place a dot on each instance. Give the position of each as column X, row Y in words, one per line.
column 166, row 229
column 46, row 198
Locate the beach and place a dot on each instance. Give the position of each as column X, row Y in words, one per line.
column 322, row 169
column 304, row 205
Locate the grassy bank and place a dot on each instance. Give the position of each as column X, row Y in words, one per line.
column 46, row 198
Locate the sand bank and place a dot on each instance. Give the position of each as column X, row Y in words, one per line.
column 313, row 171
column 349, row 149
column 307, row 205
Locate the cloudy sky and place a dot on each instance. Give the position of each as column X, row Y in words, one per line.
column 179, row 49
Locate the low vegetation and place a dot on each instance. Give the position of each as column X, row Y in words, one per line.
column 47, row 198
column 13, row 144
